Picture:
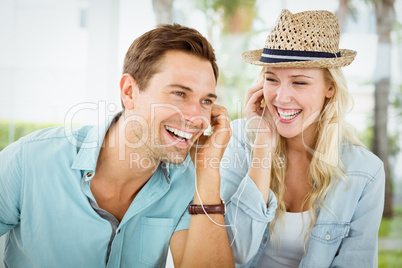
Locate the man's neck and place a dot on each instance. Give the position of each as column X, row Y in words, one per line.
column 121, row 165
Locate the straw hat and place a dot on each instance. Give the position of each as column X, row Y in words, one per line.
column 307, row 39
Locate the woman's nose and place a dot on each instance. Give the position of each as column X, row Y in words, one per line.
column 283, row 94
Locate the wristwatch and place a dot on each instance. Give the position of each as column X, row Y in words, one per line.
column 209, row 209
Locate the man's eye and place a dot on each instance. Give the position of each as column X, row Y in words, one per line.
column 179, row 93
column 208, row 102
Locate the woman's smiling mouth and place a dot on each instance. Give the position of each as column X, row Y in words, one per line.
column 287, row 115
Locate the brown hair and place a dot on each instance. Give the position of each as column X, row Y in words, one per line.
column 144, row 54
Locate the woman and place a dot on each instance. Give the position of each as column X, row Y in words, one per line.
column 300, row 188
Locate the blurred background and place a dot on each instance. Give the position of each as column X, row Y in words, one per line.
column 61, row 61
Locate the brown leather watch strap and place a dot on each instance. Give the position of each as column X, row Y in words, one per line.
column 209, row 209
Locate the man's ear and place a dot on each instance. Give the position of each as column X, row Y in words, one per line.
column 128, row 90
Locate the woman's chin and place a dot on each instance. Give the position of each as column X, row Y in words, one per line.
column 287, row 134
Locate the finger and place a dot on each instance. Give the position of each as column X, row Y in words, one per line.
column 221, row 125
column 256, row 98
column 201, row 140
column 252, row 90
column 254, row 103
column 219, row 116
column 198, row 145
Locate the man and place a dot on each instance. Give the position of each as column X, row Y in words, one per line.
column 65, row 202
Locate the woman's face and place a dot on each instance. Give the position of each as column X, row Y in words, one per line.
column 295, row 97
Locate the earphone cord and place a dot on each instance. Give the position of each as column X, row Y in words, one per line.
column 245, row 182
column 238, row 200
column 196, row 190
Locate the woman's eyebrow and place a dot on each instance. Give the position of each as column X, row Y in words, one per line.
column 292, row 76
column 302, row 75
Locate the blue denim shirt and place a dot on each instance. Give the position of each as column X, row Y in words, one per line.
column 344, row 235
column 51, row 218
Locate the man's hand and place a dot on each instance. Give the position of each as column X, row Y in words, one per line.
column 206, row 241
column 210, row 149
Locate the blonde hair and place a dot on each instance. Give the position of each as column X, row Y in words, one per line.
column 325, row 166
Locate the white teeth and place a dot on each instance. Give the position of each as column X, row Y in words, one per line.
column 288, row 115
column 180, row 133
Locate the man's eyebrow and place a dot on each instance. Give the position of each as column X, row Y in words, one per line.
column 210, row 95
column 182, row 87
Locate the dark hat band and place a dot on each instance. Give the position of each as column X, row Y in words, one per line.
column 277, row 55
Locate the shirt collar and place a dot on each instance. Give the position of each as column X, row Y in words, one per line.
column 88, row 153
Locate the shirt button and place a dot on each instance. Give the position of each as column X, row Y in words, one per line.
column 118, row 231
column 89, row 174
column 264, row 240
column 327, row 236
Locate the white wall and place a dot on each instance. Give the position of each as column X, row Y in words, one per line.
column 44, row 52
column 51, row 62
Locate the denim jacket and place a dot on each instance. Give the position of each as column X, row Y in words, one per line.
column 344, row 235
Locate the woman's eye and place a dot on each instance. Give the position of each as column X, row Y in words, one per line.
column 300, row 83
column 270, row 79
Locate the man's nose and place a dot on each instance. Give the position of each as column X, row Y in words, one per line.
column 194, row 115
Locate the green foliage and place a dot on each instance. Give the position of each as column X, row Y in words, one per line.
column 370, row 3
column 368, row 134
column 234, row 19
column 397, row 29
column 235, row 15
column 392, row 227
column 384, row 227
column 389, row 259
column 367, row 138
column 352, row 10
column 229, row 7
column 20, row 129
column 397, row 100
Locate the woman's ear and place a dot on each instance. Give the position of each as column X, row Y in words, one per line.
column 128, row 90
column 330, row 92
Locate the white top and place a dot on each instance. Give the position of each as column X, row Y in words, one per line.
column 288, row 247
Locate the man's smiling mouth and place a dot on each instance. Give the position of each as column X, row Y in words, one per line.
column 179, row 134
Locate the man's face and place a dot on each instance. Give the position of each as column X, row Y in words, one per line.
column 175, row 107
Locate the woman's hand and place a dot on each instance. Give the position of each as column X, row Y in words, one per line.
column 252, row 102
column 259, row 118
column 262, row 134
